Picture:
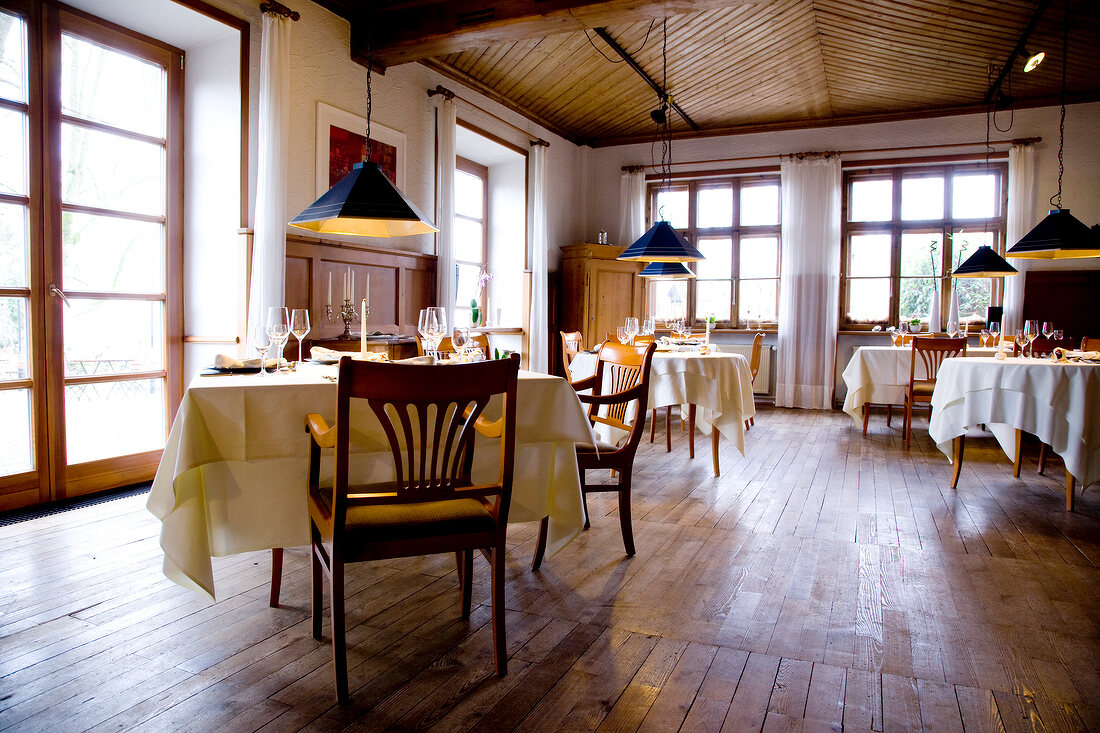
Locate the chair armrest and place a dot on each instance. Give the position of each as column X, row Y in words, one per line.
column 490, row 429
column 586, row 383
column 614, row 398
column 319, row 430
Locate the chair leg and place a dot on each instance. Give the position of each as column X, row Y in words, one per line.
column 652, row 423
column 339, row 642
column 316, row 585
column 752, row 421
column 465, row 561
column 499, row 641
column 1042, row 458
column 866, row 414
column 1069, row 491
column 908, row 421
column 540, row 545
column 746, row 425
column 691, row 431
column 276, row 576
column 889, row 414
column 714, row 448
column 957, row 450
column 624, row 514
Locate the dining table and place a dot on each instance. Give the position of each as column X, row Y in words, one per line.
column 1056, row 401
column 232, row 477
column 717, row 385
column 879, row 375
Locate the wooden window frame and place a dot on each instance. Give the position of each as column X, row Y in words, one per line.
column 895, row 227
column 482, row 172
column 736, row 232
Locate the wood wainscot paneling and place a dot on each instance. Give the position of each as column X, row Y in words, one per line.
column 401, row 283
column 1065, row 297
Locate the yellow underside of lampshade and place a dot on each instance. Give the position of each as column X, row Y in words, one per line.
column 368, row 227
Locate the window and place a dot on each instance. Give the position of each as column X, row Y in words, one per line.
column 470, row 235
column 907, row 226
column 734, row 222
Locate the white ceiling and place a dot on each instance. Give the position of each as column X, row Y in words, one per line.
column 163, row 20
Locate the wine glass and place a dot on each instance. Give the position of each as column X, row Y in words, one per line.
column 631, row 327
column 1031, row 331
column 994, row 332
column 299, row 326
column 985, row 337
column 963, row 328
column 1048, row 329
column 438, row 323
column 1021, row 340
column 460, row 339
column 622, row 334
column 278, row 329
column 423, row 327
column 649, row 327
column 952, row 329
column 261, row 342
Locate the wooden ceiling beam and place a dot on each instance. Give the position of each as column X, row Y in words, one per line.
column 402, row 32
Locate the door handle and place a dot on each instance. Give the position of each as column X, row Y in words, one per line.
column 55, row 291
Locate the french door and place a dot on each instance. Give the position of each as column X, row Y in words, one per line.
column 90, row 252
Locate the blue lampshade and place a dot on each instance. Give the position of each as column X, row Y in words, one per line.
column 667, row 270
column 984, row 263
column 364, row 203
column 662, row 243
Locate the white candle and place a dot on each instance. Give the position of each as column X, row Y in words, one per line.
column 352, row 283
column 328, row 299
column 363, row 329
column 366, row 296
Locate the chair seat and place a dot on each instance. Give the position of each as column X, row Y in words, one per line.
column 599, row 447
column 388, row 522
column 923, row 390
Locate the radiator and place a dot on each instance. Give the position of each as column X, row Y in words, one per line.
column 763, row 383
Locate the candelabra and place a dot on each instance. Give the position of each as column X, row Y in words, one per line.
column 347, row 315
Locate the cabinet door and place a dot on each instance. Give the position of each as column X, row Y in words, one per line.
column 613, row 297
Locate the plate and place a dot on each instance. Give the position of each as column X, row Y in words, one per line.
column 322, row 361
column 235, row 370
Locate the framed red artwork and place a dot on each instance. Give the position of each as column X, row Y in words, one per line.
column 341, row 143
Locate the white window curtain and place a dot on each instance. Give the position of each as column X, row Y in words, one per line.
column 632, row 206
column 538, row 339
column 268, row 282
column 446, row 117
column 809, row 284
column 1021, row 219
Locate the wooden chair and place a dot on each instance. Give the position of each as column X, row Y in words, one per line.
column 931, row 350
column 570, row 346
column 754, row 365
column 1090, row 343
column 478, row 340
column 619, row 396
column 432, row 506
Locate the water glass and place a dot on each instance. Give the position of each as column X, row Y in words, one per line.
column 278, row 328
column 261, row 342
column 952, row 329
column 622, row 335
column 648, row 327
column 631, row 328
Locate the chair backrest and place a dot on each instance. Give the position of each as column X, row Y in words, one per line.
column 429, row 415
column 754, row 359
column 479, row 340
column 644, row 338
column 570, row 346
column 622, row 370
column 932, row 350
column 1042, row 346
column 1090, row 343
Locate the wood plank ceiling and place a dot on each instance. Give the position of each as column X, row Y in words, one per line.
column 735, row 66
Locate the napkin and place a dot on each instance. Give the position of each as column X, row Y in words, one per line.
column 322, row 354
column 425, row 359
column 225, row 361
column 1063, row 355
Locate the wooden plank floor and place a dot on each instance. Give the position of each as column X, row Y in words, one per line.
column 825, row 582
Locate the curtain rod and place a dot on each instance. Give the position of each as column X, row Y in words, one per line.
column 1020, row 141
column 448, row 94
column 279, row 9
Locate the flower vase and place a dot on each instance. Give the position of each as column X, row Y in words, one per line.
column 934, row 311
column 953, row 314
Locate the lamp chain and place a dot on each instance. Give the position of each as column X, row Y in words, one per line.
column 368, row 96
column 1062, row 120
column 666, row 128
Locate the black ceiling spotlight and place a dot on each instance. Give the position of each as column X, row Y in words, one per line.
column 1033, row 60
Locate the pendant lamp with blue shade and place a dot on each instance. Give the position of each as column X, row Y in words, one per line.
column 662, row 243
column 667, row 271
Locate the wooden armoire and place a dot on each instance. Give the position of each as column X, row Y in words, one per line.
column 598, row 291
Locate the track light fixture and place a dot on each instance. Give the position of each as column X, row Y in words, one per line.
column 1033, row 60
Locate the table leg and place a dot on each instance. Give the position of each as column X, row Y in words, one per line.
column 866, row 414
column 276, row 576
column 714, row 448
column 691, row 431
column 1016, row 462
column 1069, row 491
column 957, row 457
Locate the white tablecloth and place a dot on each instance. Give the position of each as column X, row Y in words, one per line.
column 233, row 474
column 719, row 384
column 880, row 374
column 1059, row 403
